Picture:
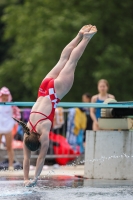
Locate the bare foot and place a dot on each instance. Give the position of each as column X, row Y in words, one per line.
column 91, row 32
column 84, row 29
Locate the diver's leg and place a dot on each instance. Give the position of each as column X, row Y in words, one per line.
column 64, row 81
column 66, row 53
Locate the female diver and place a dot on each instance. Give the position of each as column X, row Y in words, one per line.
column 53, row 88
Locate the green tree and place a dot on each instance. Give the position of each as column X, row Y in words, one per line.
column 40, row 30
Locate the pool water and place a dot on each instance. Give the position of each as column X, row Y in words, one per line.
column 66, row 188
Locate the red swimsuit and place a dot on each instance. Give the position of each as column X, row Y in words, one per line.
column 46, row 89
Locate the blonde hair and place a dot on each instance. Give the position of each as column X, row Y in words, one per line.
column 104, row 81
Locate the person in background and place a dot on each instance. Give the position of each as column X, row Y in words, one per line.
column 7, row 122
column 86, row 98
column 103, row 87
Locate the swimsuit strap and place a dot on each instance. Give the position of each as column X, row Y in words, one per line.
column 34, row 127
column 39, row 113
column 108, row 96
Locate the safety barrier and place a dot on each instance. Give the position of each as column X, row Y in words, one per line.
column 76, row 104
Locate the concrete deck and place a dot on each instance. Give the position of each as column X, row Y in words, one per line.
column 61, row 170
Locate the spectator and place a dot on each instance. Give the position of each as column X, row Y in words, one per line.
column 86, row 98
column 7, row 123
column 103, row 88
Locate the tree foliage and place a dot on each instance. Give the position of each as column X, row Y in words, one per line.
column 35, row 32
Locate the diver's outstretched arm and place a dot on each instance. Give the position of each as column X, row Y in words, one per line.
column 44, row 140
column 26, row 163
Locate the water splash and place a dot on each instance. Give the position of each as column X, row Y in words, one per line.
column 103, row 158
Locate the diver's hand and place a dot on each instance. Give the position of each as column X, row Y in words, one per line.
column 26, row 182
column 30, row 183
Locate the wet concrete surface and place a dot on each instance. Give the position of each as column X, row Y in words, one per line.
column 66, row 188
